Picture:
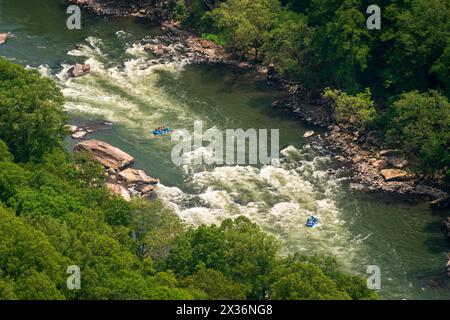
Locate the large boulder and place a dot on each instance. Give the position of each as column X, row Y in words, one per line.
column 119, row 191
column 308, row 134
column 3, row 37
column 394, row 174
column 109, row 156
column 134, row 176
column 79, row 70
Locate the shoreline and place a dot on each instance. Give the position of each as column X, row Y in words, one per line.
column 374, row 166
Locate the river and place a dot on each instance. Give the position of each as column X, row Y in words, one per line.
column 135, row 91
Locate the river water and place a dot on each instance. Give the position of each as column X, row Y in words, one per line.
column 137, row 92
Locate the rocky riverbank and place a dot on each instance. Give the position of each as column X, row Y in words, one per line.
column 372, row 165
column 158, row 11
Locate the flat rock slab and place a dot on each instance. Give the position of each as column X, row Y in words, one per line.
column 133, row 176
column 109, row 156
column 394, row 175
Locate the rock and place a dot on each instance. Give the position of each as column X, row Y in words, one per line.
column 308, row 134
column 445, row 228
column 71, row 128
column 144, row 188
column 394, row 174
column 3, row 37
column 79, row 70
column 389, row 152
column 119, row 191
column 132, row 176
column 440, row 203
column 109, row 156
column 158, row 49
column 79, row 135
column 397, row 162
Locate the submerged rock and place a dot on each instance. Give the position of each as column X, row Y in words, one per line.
column 119, row 191
column 109, row 156
column 133, row 176
column 79, row 70
column 394, row 174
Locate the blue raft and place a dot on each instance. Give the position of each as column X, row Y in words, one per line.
column 161, row 132
column 312, row 222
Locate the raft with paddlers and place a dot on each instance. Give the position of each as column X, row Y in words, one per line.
column 312, row 222
column 161, row 130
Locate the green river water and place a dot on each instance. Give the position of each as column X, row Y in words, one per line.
column 136, row 92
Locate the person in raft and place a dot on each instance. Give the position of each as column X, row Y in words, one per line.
column 162, row 128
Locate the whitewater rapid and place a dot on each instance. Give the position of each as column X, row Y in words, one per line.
column 278, row 197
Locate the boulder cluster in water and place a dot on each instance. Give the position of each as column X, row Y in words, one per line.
column 82, row 130
column 122, row 181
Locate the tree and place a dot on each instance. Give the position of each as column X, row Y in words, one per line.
column 300, row 277
column 215, row 285
column 422, row 120
column 416, row 39
column 357, row 111
column 29, row 260
column 5, row 155
column 31, row 112
column 288, row 47
column 245, row 24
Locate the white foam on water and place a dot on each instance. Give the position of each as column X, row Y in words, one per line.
column 279, row 197
column 122, row 93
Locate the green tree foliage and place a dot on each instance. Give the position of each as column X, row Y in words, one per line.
column 289, row 47
column 422, row 120
column 31, row 112
column 30, row 266
column 215, row 285
column 416, row 37
column 358, row 111
column 316, row 278
column 245, row 24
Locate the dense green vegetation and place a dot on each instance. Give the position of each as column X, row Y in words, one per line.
column 326, row 44
column 56, row 212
